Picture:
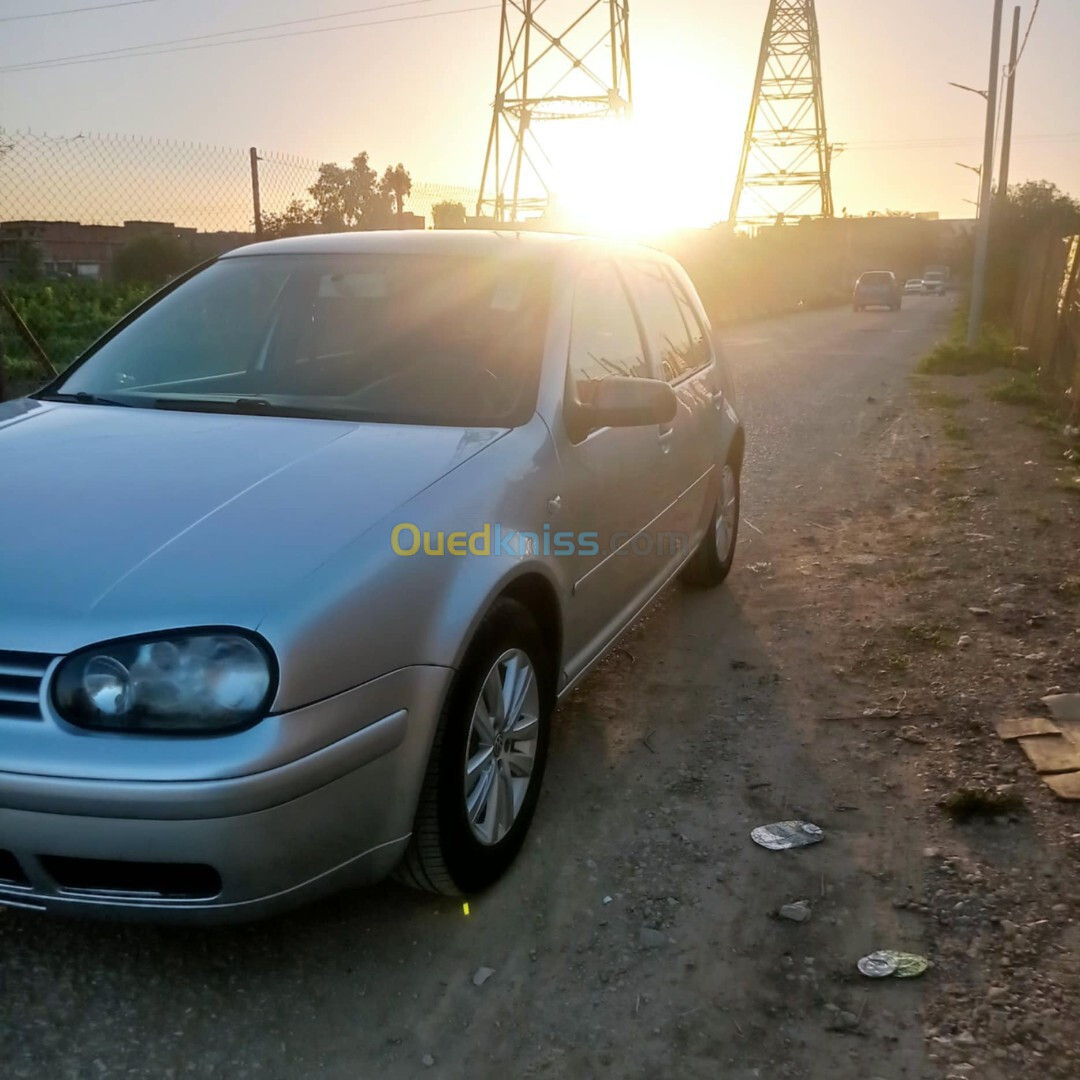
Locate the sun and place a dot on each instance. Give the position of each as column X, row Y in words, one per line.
column 603, row 183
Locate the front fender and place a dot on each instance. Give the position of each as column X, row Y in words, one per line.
column 372, row 609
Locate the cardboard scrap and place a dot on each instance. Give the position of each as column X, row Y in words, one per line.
column 1052, row 754
column 1022, row 726
column 1065, row 785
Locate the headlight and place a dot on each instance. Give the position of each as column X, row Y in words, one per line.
column 186, row 683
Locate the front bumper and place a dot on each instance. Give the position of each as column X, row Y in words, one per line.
column 234, row 848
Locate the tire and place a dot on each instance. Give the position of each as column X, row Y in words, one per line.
column 711, row 563
column 448, row 854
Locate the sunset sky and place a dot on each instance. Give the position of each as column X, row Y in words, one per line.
column 419, row 91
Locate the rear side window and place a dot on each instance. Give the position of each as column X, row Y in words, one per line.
column 699, row 355
column 677, row 344
column 604, row 338
column 876, row 279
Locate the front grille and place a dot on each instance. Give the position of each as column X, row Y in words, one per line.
column 115, row 877
column 20, row 684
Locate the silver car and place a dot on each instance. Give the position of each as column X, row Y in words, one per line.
column 298, row 559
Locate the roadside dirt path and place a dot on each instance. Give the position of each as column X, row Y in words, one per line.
column 637, row 935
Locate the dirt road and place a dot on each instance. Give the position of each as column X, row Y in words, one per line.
column 636, row 936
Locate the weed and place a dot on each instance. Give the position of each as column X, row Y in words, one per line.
column 929, row 634
column 969, row 803
column 1070, row 587
column 1021, row 389
column 941, row 399
column 955, row 430
column 898, row 661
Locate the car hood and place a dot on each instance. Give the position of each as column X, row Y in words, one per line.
column 122, row 520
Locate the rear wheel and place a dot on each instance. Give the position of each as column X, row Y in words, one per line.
column 711, row 563
column 487, row 759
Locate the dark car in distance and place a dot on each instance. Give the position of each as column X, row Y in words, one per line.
column 877, row 288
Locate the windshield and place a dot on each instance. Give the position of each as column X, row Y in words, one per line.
column 411, row 339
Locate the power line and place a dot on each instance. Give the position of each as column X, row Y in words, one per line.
column 42, row 65
column 58, row 60
column 1027, row 33
column 75, row 11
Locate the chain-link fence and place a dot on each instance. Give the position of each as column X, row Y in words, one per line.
column 107, row 180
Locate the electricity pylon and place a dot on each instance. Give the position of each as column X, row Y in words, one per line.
column 518, row 172
column 786, row 160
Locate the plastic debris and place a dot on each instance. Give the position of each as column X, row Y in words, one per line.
column 886, row 962
column 482, row 975
column 787, row 834
column 1063, row 706
column 607, row 899
column 964, row 641
column 427, row 1061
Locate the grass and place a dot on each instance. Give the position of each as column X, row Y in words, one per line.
column 966, row 804
column 954, row 357
column 898, row 661
column 955, row 430
column 1022, row 389
column 931, row 635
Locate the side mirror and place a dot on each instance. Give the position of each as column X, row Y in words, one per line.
column 625, row 402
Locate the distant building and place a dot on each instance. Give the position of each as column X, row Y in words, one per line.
column 69, row 249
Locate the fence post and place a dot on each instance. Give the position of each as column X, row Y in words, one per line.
column 257, row 206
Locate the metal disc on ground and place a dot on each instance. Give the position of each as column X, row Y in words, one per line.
column 885, row 962
column 786, row 834
column 878, row 965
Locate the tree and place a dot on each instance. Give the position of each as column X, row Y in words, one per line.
column 1031, row 209
column 297, row 219
column 151, row 260
column 396, row 183
column 344, row 198
column 448, row 215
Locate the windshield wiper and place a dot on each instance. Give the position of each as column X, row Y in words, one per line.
column 229, row 405
column 253, row 406
column 84, row 398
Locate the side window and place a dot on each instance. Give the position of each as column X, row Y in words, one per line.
column 604, row 338
column 671, row 341
column 700, row 353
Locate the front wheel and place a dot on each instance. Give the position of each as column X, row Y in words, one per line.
column 487, row 759
column 711, row 563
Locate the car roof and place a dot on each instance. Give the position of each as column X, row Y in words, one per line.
column 492, row 243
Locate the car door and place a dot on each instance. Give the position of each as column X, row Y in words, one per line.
column 615, row 482
column 679, row 349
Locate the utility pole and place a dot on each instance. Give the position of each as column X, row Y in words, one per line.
column 1010, row 100
column 255, row 199
column 982, row 234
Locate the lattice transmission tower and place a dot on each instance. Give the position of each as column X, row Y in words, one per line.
column 559, row 60
column 785, row 169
